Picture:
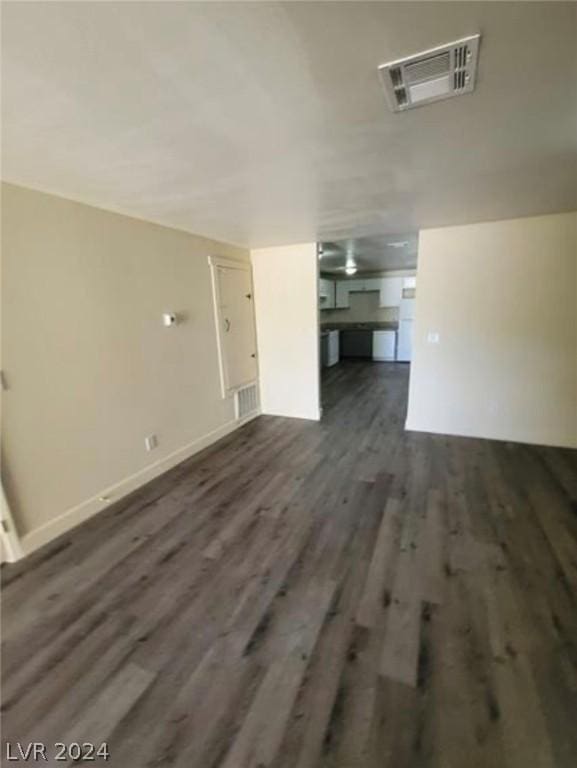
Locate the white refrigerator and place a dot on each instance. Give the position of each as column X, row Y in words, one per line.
column 405, row 333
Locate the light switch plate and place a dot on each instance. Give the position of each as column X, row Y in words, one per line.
column 433, row 337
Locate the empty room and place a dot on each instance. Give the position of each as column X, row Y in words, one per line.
column 288, row 379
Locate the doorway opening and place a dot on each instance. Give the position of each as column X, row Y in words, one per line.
column 367, row 294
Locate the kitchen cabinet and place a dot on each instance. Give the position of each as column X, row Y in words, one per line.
column 334, row 348
column 346, row 287
column 326, row 293
column 410, row 282
column 373, row 284
column 356, row 285
column 391, row 291
column 384, row 345
column 342, row 294
column 329, row 348
column 356, row 343
column 369, row 284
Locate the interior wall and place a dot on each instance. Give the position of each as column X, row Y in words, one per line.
column 89, row 366
column 286, row 306
column 502, row 297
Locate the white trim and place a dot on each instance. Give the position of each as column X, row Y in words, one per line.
column 214, row 263
column 221, row 261
column 92, row 506
column 315, row 415
column 319, row 408
column 476, row 435
column 11, row 544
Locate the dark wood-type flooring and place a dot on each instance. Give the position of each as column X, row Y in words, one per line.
column 301, row 594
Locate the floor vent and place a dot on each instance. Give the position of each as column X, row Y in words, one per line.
column 448, row 70
column 246, row 401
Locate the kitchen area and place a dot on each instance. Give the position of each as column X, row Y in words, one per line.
column 367, row 292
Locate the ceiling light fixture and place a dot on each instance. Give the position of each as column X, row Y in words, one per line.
column 398, row 244
column 350, row 269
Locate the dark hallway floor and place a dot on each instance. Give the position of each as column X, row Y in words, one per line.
column 303, row 594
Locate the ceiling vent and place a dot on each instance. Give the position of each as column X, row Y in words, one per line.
column 448, row 70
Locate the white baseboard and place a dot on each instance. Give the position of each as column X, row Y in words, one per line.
column 521, row 439
column 316, row 415
column 92, row 506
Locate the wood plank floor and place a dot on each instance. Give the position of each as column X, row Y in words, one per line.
column 342, row 594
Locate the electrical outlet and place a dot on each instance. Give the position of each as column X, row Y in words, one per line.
column 150, row 442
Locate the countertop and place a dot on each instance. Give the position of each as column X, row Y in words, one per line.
column 384, row 326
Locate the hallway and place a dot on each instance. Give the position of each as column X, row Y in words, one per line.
column 301, row 594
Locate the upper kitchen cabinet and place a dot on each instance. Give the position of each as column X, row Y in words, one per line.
column 346, row 287
column 326, row 293
column 391, row 291
column 342, row 294
column 410, row 282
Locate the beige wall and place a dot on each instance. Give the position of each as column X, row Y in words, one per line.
column 91, row 369
column 503, row 298
column 286, row 306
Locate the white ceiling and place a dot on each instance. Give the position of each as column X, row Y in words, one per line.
column 265, row 123
column 376, row 253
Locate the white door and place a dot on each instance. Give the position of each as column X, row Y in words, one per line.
column 235, row 319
